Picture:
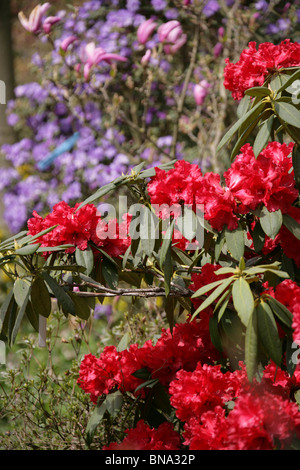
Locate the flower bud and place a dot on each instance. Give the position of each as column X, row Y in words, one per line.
column 200, row 92
column 145, row 30
column 172, row 36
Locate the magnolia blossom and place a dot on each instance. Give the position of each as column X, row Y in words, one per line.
column 33, row 24
column 67, row 42
column 146, row 57
column 49, row 22
column 92, row 55
column 172, row 36
column 145, row 30
column 200, row 91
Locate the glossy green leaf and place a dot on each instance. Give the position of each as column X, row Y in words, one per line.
column 288, row 113
column 268, row 332
column 270, row 222
column 114, row 402
column 281, row 312
column 95, row 419
column 61, row 295
column 292, row 225
column 19, row 318
column 40, row 297
column 166, row 243
column 296, row 165
column 110, row 273
column 85, row 258
column 5, row 307
column 243, row 299
column 21, row 289
column 204, row 289
column 251, row 346
column 259, row 237
column 248, row 116
column 27, row 250
column 235, row 240
column 215, row 334
column 82, row 306
column 258, row 91
column 289, row 81
column 263, row 135
column 214, row 295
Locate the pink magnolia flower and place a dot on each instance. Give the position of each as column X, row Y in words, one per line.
column 172, row 36
column 49, row 22
column 145, row 30
column 200, row 91
column 33, row 24
column 92, row 55
column 146, row 57
column 67, row 42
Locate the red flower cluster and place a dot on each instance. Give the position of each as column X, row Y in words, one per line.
column 142, row 437
column 78, row 227
column 261, row 414
column 267, row 179
column 250, row 183
column 254, row 65
column 188, row 344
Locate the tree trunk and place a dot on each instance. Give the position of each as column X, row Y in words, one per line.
column 7, row 83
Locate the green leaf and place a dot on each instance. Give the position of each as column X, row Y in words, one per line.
column 270, row 222
column 32, row 316
column 251, row 346
column 296, row 165
column 245, row 133
column 243, row 106
column 292, row 225
column 124, row 342
column 268, row 332
column 289, row 81
column 166, row 243
column 250, row 114
column 21, row 289
column 235, row 241
column 19, row 319
column 258, row 91
column 243, row 299
column 82, row 306
column 110, row 273
column 5, row 307
column 168, row 270
column 94, row 421
column 263, row 135
column 98, row 194
column 214, row 295
column 259, row 237
column 85, row 258
column 61, row 295
column 27, row 250
column 9, row 242
column 114, row 402
column 281, row 312
column 220, row 241
column 215, row 334
column 287, row 113
column 204, row 289
column 40, row 297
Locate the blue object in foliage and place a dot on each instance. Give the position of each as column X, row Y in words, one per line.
column 66, row 146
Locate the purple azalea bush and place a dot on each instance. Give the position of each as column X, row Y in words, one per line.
column 113, row 92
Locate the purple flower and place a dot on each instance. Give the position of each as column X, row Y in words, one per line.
column 159, row 5
column 211, row 7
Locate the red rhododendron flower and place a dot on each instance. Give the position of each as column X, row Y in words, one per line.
column 79, row 226
column 188, row 344
column 209, row 433
column 260, row 419
column 255, row 65
column 175, row 187
column 142, row 437
column 219, row 203
column 194, row 393
column 267, row 179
